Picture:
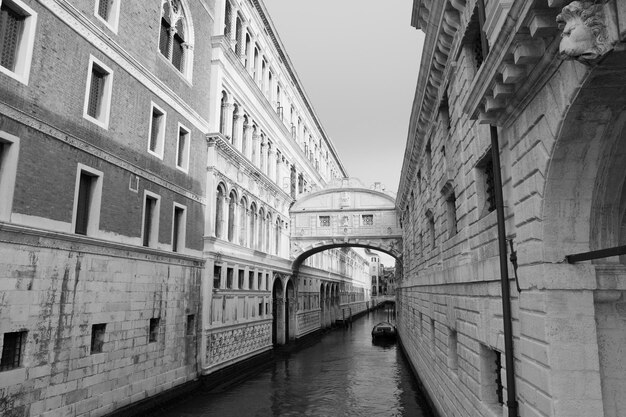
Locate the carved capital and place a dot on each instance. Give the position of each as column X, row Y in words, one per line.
column 585, row 36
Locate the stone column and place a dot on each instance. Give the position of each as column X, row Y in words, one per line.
column 271, row 162
column 233, row 25
column 277, row 168
column 221, row 227
column 250, row 56
column 242, row 42
column 254, row 149
column 227, row 118
column 263, row 154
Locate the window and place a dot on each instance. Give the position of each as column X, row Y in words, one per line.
column 491, row 376
column 229, row 278
column 108, row 11
column 17, row 36
column 251, row 280
column 97, row 337
column 179, row 220
column 182, row 149
column 241, row 279
column 217, row 276
column 12, row 350
column 150, row 231
column 174, row 38
column 87, row 197
column 191, row 324
column 156, row 134
column 453, row 357
column 154, row 330
column 324, row 221
column 260, row 308
column 431, row 228
column 98, row 93
column 9, row 147
column 486, row 185
column 367, row 219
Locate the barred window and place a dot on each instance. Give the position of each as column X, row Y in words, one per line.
column 324, row 221
column 11, row 27
column 173, row 36
column 12, row 350
column 368, row 219
column 97, row 337
column 98, row 93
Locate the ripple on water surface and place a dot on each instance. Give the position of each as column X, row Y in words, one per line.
column 343, row 374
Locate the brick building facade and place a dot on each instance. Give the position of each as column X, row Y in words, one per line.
column 546, row 79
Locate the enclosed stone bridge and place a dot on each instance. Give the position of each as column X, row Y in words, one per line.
column 344, row 214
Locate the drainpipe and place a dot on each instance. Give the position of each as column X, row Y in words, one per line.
column 511, row 402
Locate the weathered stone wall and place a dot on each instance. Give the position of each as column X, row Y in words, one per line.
column 57, row 287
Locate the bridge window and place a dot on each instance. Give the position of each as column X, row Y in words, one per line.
column 367, row 219
column 324, row 221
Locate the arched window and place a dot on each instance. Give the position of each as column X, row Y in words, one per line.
column 243, row 222
column 261, row 230
column 219, row 211
column 223, row 105
column 232, row 206
column 252, row 241
column 175, row 36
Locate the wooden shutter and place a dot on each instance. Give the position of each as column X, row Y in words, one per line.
column 11, row 27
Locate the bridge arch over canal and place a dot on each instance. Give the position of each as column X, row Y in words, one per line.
column 344, row 214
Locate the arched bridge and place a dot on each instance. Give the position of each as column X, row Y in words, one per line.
column 345, row 214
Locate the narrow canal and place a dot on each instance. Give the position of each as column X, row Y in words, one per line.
column 342, row 374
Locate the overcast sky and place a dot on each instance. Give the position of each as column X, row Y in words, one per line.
column 358, row 61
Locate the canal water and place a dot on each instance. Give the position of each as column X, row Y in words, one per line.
column 342, row 374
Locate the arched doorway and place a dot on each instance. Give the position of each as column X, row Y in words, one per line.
column 278, row 313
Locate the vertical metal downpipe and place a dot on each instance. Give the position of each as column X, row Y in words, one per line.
column 511, row 402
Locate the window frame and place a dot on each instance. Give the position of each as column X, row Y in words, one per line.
column 95, row 205
column 9, row 155
column 153, row 241
column 186, row 151
column 160, row 147
column 24, row 53
column 114, row 14
column 105, row 105
column 19, row 350
column 182, row 229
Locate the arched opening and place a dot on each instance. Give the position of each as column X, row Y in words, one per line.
column 243, row 221
column 220, row 219
column 232, row 216
column 223, row 106
column 278, row 312
column 234, row 134
column 252, row 229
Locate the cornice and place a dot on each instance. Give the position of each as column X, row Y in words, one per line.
column 78, row 22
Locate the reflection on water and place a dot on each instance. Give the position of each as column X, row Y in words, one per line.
column 344, row 374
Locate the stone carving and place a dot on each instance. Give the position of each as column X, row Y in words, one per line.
column 226, row 345
column 585, row 34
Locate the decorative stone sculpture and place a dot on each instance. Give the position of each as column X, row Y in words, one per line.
column 585, row 34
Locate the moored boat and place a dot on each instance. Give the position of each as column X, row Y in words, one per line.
column 384, row 330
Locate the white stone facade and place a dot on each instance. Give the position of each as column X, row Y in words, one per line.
column 561, row 135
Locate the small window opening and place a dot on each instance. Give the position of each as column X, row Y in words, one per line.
column 97, row 337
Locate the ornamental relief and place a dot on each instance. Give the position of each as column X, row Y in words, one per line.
column 225, row 345
column 586, row 31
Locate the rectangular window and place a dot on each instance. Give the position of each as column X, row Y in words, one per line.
column 453, row 357
column 9, row 147
column 324, row 221
column 179, row 221
column 368, row 219
column 98, row 93
column 229, row 278
column 491, row 376
column 191, row 324
column 451, row 214
column 182, row 149
column 156, row 134
column 259, row 279
column 241, row 279
column 217, row 276
column 251, row 280
column 87, row 198
column 150, row 231
column 260, row 308
column 97, row 337
column 486, row 184
column 12, row 350
column 108, row 12
column 154, row 330
column 17, row 35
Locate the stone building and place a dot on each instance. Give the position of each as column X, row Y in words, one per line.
column 544, row 82
column 148, row 159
